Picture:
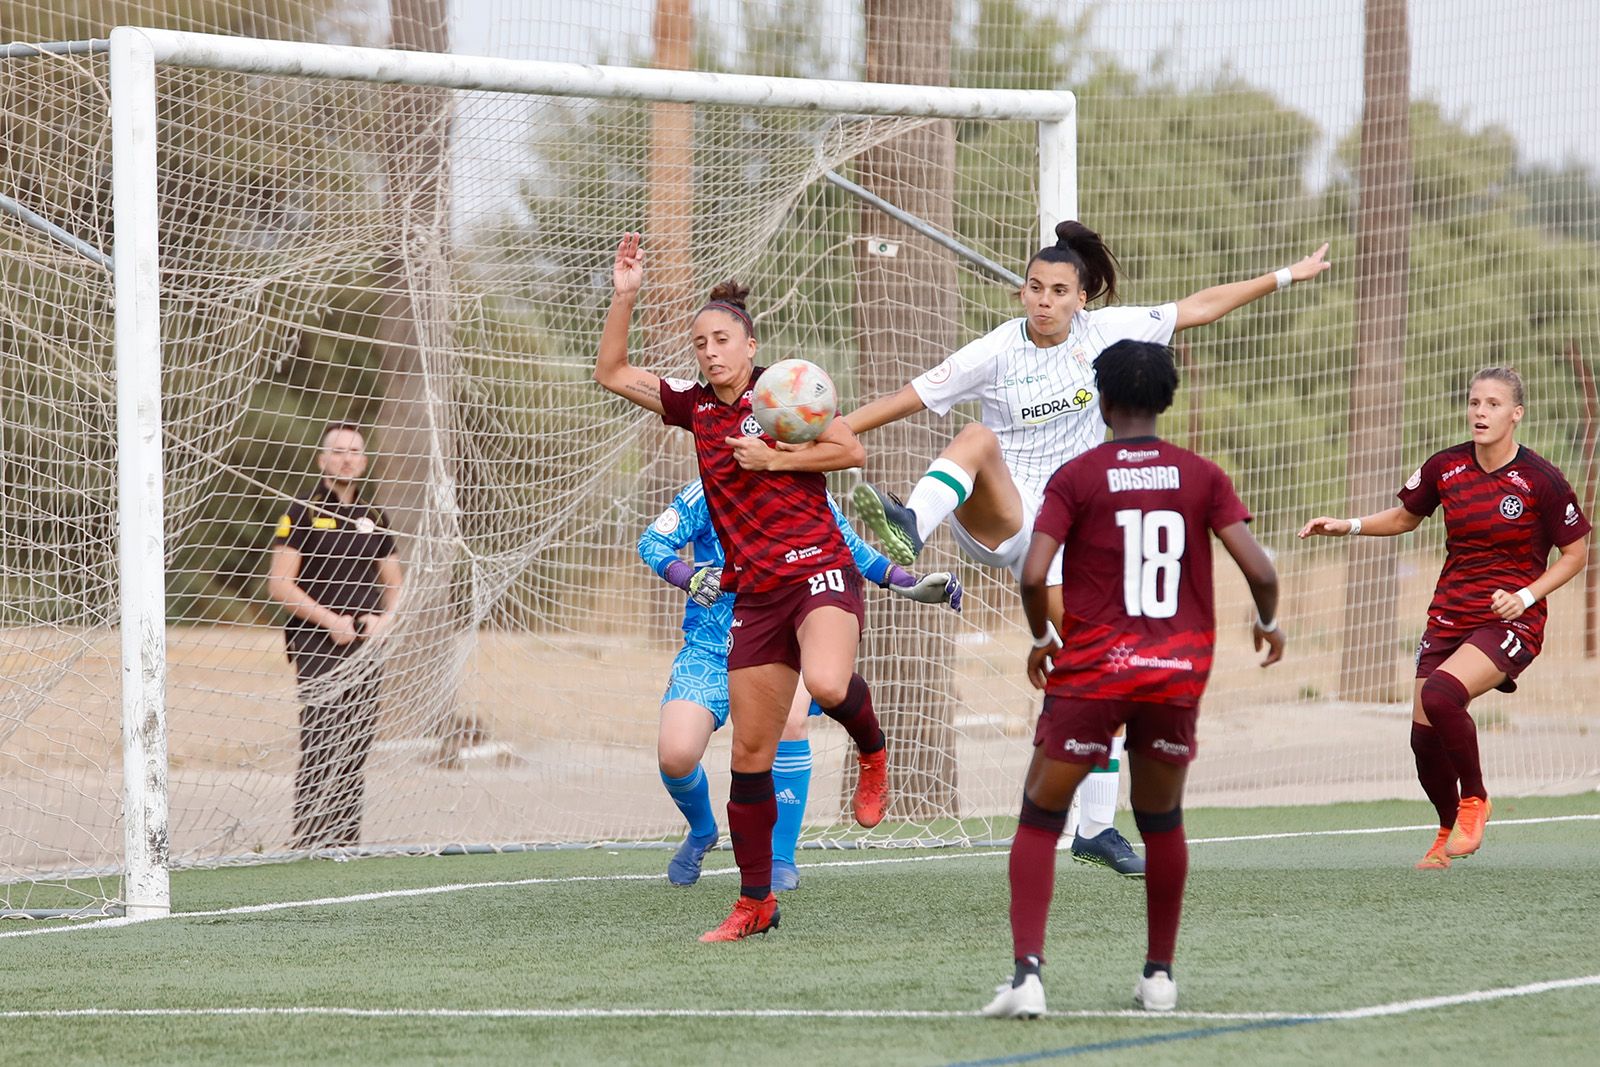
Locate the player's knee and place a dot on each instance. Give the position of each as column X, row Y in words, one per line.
column 1443, row 694
column 676, row 761
column 1032, row 815
column 974, row 437
column 829, row 689
column 1158, row 822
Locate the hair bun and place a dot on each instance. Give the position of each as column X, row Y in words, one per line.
column 1073, row 234
column 731, row 292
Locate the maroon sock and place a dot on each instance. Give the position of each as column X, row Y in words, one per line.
column 752, row 811
column 855, row 714
column 1033, row 876
column 1444, row 701
column 1166, row 868
column 1436, row 773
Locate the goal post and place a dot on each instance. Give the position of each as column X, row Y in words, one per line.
column 135, row 56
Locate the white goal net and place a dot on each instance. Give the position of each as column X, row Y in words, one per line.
column 432, row 264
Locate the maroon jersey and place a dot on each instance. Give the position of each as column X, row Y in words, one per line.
column 1134, row 517
column 775, row 527
column 1499, row 529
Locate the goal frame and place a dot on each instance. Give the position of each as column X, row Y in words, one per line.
column 135, row 54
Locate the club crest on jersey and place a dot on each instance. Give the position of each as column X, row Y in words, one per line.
column 750, row 427
column 1081, row 354
column 1055, row 407
column 1415, row 479
column 1511, row 506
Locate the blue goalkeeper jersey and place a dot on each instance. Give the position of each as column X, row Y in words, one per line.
column 688, row 522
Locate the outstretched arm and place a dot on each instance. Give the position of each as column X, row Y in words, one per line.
column 885, row 409
column 1209, row 305
column 611, row 368
column 1397, row 520
column 1262, row 577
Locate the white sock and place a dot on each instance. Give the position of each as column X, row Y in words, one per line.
column 943, row 489
column 1098, row 795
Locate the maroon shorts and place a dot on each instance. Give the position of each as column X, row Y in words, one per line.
column 1079, row 731
column 766, row 625
column 1509, row 646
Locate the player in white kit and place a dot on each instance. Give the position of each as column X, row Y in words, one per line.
column 1034, row 377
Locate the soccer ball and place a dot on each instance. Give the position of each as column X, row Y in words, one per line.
column 794, row 400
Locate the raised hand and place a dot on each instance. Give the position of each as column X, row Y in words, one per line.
column 627, row 274
column 1311, row 266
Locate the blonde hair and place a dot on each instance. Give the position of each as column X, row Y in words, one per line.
column 1504, row 375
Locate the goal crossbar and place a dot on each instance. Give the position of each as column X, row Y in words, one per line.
column 135, row 55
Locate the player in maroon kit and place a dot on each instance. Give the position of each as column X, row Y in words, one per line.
column 1135, row 515
column 1505, row 507
column 799, row 593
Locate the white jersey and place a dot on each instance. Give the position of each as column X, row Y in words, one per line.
column 1040, row 402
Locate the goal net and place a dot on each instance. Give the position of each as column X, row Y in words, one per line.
column 433, row 265
column 341, row 250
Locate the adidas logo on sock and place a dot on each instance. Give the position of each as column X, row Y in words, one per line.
column 788, row 797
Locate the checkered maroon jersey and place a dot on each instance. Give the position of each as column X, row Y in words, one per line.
column 1499, row 528
column 1134, row 517
column 775, row 527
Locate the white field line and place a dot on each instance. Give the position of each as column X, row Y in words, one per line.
column 1375, row 1011
column 461, row 887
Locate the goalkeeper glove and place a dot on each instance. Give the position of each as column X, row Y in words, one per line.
column 706, row 586
column 939, row 587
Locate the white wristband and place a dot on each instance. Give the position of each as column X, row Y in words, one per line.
column 1050, row 637
column 1285, row 278
column 1266, row 627
column 1527, row 598
column 1355, row 527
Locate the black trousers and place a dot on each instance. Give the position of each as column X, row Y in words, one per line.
column 336, row 733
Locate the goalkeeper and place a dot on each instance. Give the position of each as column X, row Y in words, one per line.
column 695, row 704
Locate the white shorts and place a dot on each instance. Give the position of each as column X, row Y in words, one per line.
column 1011, row 552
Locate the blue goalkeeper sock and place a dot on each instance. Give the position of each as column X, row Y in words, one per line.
column 692, row 794
column 791, row 781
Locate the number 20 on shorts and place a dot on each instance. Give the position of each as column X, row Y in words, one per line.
column 826, row 580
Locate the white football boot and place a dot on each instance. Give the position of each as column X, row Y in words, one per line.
column 1156, row 993
column 1025, row 1001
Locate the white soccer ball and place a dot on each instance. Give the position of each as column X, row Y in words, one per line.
column 794, row 400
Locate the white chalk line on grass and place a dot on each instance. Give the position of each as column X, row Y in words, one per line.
column 462, row 887
column 1375, row 1011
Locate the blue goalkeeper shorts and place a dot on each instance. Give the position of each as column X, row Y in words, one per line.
column 700, row 677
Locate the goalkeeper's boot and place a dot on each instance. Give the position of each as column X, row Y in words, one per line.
column 685, row 866
column 1157, row 992
column 1435, row 859
column 1024, row 1000
column 1109, row 849
column 785, row 876
column 872, row 788
column 893, row 522
column 749, row 917
column 1471, row 816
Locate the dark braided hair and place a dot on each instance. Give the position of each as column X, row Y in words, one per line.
column 1137, row 376
column 1084, row 249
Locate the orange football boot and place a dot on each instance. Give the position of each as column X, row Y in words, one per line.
column 749, row 917
column 1435, row 859
column 1471, row 817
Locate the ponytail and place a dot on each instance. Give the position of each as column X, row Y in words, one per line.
column 1086, row 251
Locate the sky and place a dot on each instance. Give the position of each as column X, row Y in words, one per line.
column 1532, row 66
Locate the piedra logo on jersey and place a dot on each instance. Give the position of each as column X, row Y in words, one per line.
column 1511, row 506
column 1046, row 410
